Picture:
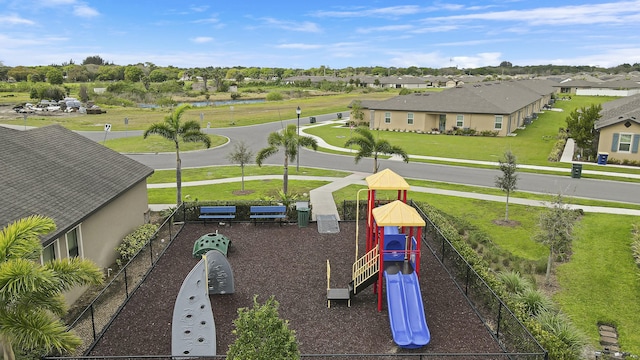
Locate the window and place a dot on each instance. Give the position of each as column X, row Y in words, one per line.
column 49, row 252
column 498, row 123
column 387, row 118
column 460, row 121
column 73, row 243
column 410, row 118
column 625, row 143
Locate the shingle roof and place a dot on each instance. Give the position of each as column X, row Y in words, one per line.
column 483, row 98
column 55, row 172
column 623, row 109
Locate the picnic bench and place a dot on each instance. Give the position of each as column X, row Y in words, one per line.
column 278, row 212
column 217, row 213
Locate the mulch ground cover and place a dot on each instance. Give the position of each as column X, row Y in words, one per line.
column 289, row 263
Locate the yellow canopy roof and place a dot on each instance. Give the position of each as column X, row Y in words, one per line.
column 397, row 213
column 386, row 180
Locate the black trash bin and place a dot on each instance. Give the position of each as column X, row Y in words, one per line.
column 576, row 171
column 339, row 116
column 312, row 119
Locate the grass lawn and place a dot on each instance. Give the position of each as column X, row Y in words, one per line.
column 224, row 172
column 157, row 144
column 531, row 145
column 257, row 189
column 601, row 282
column 216, row 116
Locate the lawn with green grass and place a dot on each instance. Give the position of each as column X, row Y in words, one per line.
column 157, row 144
column 531, row 145
column 231, row 171
column 254, row 190
column 601, row 282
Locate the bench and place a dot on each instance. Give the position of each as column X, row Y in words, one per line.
column 268, row 212
column 217, row 213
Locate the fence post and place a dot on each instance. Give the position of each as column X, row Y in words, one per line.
column 466, row 285
column 93, row 323
column 126, row 283
column 151, row 250
column 499, row 318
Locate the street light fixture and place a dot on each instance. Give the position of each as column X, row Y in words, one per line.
column 298, row 111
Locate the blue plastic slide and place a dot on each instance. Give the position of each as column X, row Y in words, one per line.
column 406, row 312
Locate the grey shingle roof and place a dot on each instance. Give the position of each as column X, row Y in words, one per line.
column 613, row 112
column 483, row 98
column 55, row 172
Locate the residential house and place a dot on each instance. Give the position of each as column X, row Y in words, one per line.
column 620, row 87
column 489, row 106
column 95, row 195
column 619, row 129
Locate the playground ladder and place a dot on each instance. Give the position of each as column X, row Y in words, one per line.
column 365, row 268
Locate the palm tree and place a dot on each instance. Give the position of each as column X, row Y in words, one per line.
column 31, row 294
column 289, row 141
column 173, row 129
column 370, row 147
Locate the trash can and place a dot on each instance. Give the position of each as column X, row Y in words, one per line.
column 602, row 158
column 576, row 171
column 303, row 217
column 312, row 119
column 339, row 116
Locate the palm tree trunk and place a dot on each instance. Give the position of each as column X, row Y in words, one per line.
column 7, row 349
column 178, row 176
column 375, row 164
column 285, row 186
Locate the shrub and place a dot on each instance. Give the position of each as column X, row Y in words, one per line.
column 560, row 326
column 134, row 242
column 534, row 301
column 405, row 91
column 274, row 96
column 514, row 282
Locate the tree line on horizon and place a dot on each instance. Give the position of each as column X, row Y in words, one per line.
column 95, row 68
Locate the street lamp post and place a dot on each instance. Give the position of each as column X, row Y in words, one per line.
column 298, row 111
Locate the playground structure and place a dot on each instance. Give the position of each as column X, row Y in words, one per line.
column 393, row 255
column 193, row 326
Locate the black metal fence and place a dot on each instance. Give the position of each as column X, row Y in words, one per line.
column 91, row 323
column 514, row 338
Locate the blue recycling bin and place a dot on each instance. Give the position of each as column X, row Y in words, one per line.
column 602, row 158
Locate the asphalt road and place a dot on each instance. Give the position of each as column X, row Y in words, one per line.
column 256, row 138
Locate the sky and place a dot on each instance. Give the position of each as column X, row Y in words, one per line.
column 310, row 34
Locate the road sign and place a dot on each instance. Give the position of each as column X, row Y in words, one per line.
column 126, row 121
column 107, row 127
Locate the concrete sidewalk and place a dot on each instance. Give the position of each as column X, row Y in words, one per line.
column 322, row 203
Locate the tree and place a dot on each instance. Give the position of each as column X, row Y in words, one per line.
column 31, row 294
column 370, row 147
column 507, row 182
column 262, row 335
column 356, row 112
column 96, row 60
column 175, row 130
column 289, row 141
column 580, row 125
column 555, row 229
column 241, row 155
column 133, row 73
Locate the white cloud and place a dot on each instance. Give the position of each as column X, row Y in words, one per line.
column 201, row 39
column 438, row 60
column 384, row 29
column 13, row 19
column 379, row 12
column 299, row 46
column 605, row 13
column 202, row 8
column 83, row 10
column 211, row 20
column 303, row 26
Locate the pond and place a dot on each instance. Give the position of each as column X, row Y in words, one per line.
column 209, row 103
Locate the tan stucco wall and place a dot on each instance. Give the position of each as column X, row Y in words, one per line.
column 606, row 138
column 425, row 122
column 103, row 231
